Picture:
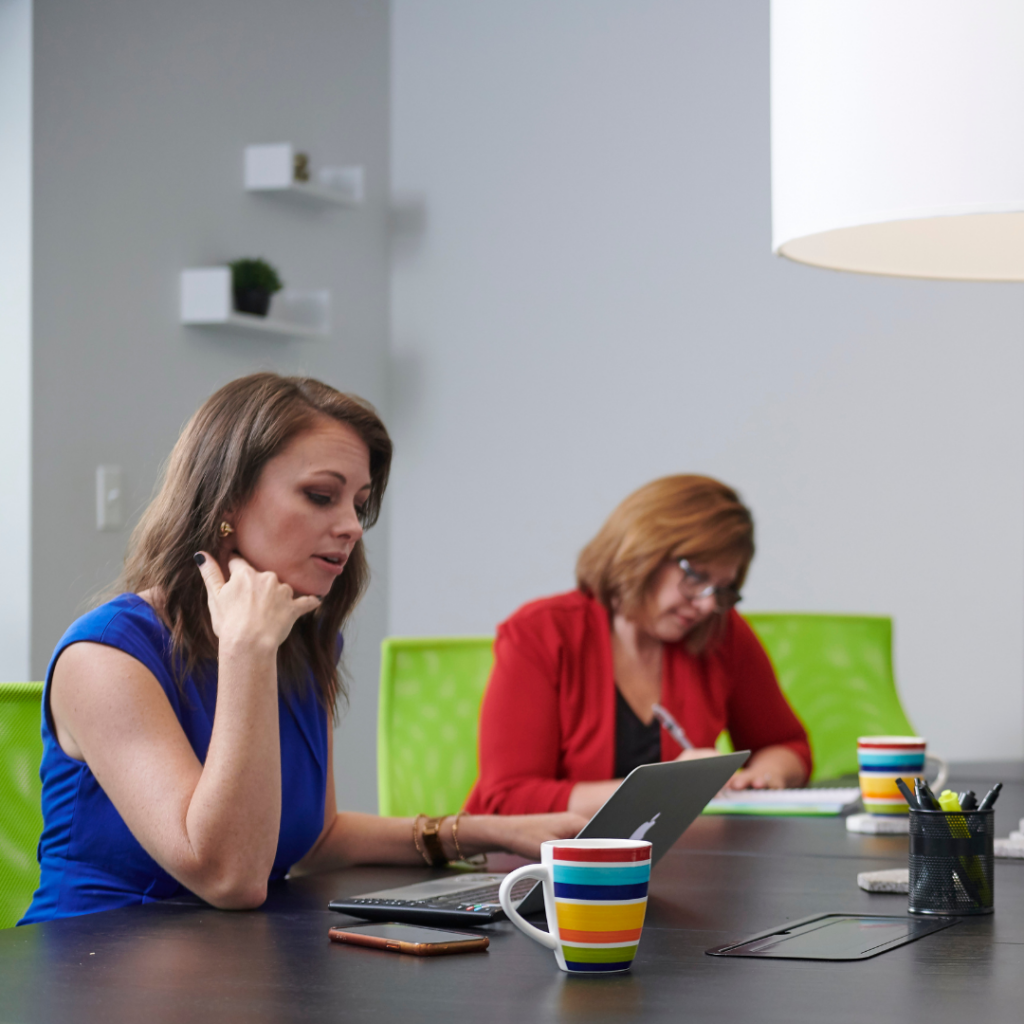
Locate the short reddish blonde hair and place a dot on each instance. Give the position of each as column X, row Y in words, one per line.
column 673, row 517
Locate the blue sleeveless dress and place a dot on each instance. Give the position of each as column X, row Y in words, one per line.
column 88, row 858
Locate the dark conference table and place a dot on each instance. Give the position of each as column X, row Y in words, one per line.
column 726, row 879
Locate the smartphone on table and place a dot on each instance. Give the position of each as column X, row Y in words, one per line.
column 409, row 938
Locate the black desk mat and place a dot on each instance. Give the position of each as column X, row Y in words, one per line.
column 835, row 937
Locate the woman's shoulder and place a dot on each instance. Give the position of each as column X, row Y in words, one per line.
column 130, row 625
column 566, row 614
column 737, row 629
column 126, row 622
column 736, row 643
column 571, row 604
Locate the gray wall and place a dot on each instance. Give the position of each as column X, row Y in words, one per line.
column 584, row 298
column 15, row 329
column 142, row 110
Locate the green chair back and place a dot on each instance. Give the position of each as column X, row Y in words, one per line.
column 21, row 817
column 430, row 695
column 836, row 673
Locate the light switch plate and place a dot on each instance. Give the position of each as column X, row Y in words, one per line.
column 108, row 498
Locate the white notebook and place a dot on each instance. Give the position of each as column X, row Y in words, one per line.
column 784, row 801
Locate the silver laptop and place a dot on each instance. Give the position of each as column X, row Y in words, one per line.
column 656, row 802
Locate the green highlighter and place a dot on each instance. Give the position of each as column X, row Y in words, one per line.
column 972, row 876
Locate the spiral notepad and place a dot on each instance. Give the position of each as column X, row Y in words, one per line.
column 809, row 802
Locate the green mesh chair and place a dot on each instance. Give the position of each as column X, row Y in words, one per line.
column 836, row 673
column 430, row 695
column 21, row 818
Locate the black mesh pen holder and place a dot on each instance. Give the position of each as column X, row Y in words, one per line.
column 951, row 862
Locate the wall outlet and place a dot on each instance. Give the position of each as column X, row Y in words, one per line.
column 108, row 498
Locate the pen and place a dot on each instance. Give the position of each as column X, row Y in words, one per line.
column 970, row 872
column 969, row 801
column 933, row 802
column 925, row 798
column 990, row 797
column 672, row 727
column 907, row 795
column 923, row 804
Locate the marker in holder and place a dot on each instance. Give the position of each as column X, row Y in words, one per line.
column 951, row 862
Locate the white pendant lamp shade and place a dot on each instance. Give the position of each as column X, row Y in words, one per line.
column 898, row 136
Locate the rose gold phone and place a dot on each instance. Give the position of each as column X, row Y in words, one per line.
column 410, row 938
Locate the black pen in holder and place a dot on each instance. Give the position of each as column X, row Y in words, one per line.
column 951, row 862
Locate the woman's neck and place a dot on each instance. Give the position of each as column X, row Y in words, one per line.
column 636, row 659
column 640, row 644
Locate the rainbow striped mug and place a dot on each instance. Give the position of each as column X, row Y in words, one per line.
column 595, row 898
column 884, row 759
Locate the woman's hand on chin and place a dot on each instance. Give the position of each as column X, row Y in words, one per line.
column 250, row 609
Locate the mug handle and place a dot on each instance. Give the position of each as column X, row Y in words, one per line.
column 940, row 780
column 543, row 874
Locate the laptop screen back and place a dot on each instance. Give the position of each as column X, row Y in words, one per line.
column 656, row 802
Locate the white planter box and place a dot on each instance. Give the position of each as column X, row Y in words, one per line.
column 207, row 301
column 271, row 169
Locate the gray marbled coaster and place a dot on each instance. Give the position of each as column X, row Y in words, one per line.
column 891, row 880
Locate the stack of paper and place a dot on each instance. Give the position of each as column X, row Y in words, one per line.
column 784, row 801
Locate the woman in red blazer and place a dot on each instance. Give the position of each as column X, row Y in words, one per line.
column 646, row 652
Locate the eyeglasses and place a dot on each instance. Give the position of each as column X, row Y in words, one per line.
column 696, row 587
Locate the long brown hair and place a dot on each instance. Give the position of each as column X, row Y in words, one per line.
column 673, row 517
column 215, row 467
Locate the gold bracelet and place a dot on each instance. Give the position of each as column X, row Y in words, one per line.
column 416, row 840
column 478, row 859
column 432, row 841
column 455, row 835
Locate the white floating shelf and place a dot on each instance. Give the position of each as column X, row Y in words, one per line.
column 271, row 169
column 207, row 301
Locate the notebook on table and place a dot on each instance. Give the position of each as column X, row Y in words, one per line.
column 806, row 802
column 656, row 802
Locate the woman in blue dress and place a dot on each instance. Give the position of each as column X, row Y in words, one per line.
column 186, row 727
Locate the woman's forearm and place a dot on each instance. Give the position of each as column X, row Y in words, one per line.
column 587, row 798
column 233, row 819
column 355, row 838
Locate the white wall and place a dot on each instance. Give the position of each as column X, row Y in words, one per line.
column 142, row 110
column 584, row 298
column 15, row 329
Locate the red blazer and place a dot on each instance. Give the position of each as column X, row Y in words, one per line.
column 548, row 717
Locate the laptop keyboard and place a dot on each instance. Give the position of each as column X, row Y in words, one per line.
column 483, row 898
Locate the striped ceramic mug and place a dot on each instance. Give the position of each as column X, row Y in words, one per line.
column 595, row 896
column 884, row 759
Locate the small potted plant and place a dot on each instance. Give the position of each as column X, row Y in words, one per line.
column 253, row 282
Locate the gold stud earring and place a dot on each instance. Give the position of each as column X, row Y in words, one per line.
column 226, row 529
